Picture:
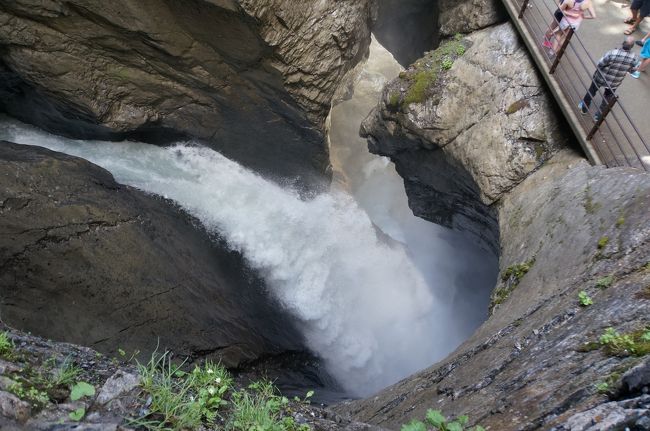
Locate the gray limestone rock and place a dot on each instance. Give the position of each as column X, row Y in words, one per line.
column 118, row 384
column 637, row 380
column 487, row 118
column 157, row 70
column 464, row 16
column 13, row 408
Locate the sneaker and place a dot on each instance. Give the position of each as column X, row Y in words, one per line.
column 635, row 75
column 597, row 117
column 638, row 42
column 583, row 108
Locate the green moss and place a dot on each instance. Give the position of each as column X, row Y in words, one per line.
column 620, row 221
column 605, row 282
column 393, row 100
column 511, row 278
column 602, row 242
column 421, row 83
column 588, row 202
column 517, row 272
column 588, row 347
column 517, row 106
column 424, row 73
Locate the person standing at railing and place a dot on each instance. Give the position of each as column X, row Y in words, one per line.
column 610, row 72
column 574, row 11
column 640, row 9
column 645, row 56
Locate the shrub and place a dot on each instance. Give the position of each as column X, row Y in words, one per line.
column 436, row 420
column 6, row 345
column 605, row 282
column 584, row 299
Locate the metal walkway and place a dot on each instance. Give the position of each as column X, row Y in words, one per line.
column 622, row 136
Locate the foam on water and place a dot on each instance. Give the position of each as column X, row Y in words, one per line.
column 362, row 305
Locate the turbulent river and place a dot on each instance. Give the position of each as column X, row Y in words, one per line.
column 374, row 309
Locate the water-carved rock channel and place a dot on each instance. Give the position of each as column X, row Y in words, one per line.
column 375, row 292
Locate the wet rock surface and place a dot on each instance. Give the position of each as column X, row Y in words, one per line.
column 484, row 139
column 86, row 260
column 219, row 71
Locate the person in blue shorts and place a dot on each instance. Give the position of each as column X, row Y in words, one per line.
column 645, row 56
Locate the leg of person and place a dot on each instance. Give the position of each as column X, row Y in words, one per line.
column 634, row 8
column 586, row 101
column 644, row 65
column 561, row 36
column 608, row 97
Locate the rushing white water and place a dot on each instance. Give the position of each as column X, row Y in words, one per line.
column 362, row 305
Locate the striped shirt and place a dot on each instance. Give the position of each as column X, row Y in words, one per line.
column 613, row 67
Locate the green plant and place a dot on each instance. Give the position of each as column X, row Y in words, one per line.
column 6, row 345
column 77, row 414
column 584, row 299
column 31, row 394
column 620, row 221
column 516, row 272
column 605, row 282
column 435, row 419
column 616, row 343
column 172, row 403
column 80, row 390
column 588, row 202
column 66, row 375
column 602, row 387
column 258, row 409
column 180, row 399
column 425, row 72
column 602, row 242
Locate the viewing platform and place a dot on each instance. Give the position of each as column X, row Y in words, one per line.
column 622, row 136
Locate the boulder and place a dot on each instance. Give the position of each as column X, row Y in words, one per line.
column 12, row 407
column 485, row 116
column 86, row 260
column 240, row 75
column 117, row 385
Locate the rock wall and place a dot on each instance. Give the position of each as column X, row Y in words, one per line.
column 487, row 119
column 242, row 76
column 86, row 260
column 406, row 28
column 484, row 136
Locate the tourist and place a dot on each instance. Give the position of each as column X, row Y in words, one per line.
column 645, row 56
column 573, row 13
column 610, row 72
column 557, row 15
column 640, row 9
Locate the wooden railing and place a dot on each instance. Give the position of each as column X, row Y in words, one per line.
column 609, row 128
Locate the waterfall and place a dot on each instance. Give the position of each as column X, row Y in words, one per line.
column 362, row 305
